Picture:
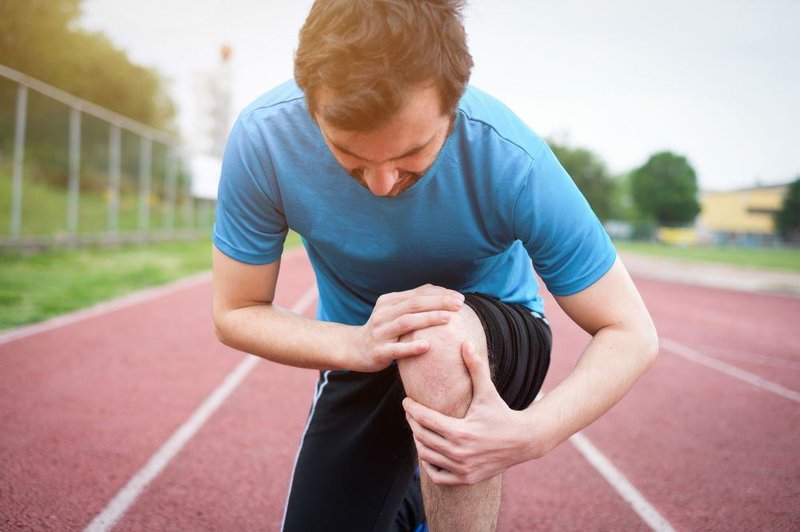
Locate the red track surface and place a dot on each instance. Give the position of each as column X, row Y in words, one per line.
column 84, row 406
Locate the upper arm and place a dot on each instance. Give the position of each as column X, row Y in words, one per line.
column 250, row 225
column 238, row 284
column 568, row 245
column 612, row 300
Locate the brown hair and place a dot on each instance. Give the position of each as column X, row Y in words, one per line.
column 369, row 53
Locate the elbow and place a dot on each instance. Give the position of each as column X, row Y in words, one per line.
column 220, row 326
column 649, row 343
column 219, row 331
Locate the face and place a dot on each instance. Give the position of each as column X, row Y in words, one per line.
column 391, row 158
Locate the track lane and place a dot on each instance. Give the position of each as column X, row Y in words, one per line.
column 84, row 405
column 731, row 325
column 232, row 476
column 709, row 451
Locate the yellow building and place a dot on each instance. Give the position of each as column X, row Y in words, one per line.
column 741, row 215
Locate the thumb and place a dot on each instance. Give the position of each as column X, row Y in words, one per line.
column 478, row 368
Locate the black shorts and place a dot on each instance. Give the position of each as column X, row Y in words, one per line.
column 356, row 466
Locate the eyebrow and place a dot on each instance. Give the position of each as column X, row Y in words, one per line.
column 407, row 153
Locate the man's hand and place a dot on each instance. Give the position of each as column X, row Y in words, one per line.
column 377, row 341
column 488, row 440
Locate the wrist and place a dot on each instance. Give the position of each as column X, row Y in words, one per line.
column 539, row 431
column 348, row 348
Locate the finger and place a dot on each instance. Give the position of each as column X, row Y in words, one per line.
column 439, row 476
column 427, row 436
column 437, row 459
column 422, row 303
column 398, row 350
column 413, row 322
column 431, row 290
column 427, row 290
column 478, row 368
column 431, row 419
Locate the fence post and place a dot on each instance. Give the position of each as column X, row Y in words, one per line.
column 172, row 170
column 114, row 163
column 74, row 170
column 145, row 155
column 19, row 154
column 204, row 211
column 189, row 205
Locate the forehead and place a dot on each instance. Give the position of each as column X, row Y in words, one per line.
column 415, row 123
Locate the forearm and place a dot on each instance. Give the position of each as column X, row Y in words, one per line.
column 284, row 337
column 608, row 367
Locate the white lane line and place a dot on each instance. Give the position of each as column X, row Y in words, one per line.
column 750, row 358
column 621, row 484
column 732, row 371
column 142, row 296
column 618, row 481
column 104, row 308
column 123, row 500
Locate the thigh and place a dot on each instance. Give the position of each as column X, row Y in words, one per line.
column 519, row 343
column 356, row 459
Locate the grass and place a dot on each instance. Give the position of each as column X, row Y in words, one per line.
column 785, row 259
column 34, row 288
column 44, row 209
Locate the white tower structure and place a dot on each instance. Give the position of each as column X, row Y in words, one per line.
column 213, row 114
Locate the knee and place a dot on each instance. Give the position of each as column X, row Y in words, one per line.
column 438, row 378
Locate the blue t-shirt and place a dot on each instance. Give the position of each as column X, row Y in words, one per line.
column 495, row 198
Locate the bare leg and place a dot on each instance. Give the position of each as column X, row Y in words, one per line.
column 440, row 380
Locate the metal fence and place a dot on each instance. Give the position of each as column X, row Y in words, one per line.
column 74, row 173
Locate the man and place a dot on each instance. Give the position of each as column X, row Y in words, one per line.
column 421, row 202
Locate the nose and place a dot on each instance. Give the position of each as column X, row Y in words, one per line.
column 381, row 179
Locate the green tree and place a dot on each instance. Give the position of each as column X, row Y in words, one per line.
column 665, row 189
column 787, row 220
column 589, row 174
column 41, row 38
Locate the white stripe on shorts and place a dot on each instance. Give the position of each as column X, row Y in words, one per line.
column 317, row 395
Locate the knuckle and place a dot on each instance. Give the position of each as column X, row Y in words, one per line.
column 415, row 305
column 441, row 315
column 459, row 455
column 379, row 353
column 405, row 322
column 401, row 352
column 375, row 334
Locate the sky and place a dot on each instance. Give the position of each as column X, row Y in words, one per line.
column 717, row 81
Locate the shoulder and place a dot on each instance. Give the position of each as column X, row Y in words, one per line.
column 283, row 105
column 277, row 116
column 489, row 121
column 285, row 97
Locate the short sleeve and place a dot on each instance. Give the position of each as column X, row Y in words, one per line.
column 568, row 245
column 250, row 224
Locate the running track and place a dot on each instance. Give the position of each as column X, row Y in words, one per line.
column 134, row 416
